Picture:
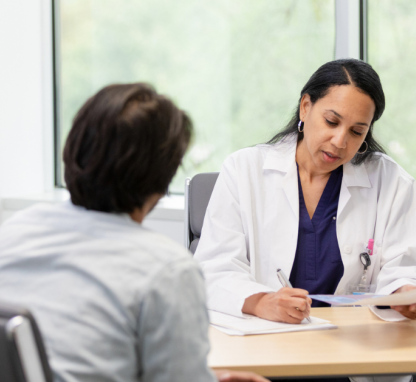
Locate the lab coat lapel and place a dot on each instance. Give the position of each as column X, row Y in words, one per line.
column 283, row 159
column 353, row 176
column 344, row 196
column 291, row 188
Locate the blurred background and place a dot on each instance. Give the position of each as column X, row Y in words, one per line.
column 236, row 66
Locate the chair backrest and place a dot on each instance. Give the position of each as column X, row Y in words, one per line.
column 198, row 191
column 22, row 354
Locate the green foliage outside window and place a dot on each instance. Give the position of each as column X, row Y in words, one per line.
column 392, row 53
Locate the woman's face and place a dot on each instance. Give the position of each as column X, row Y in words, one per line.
column 334, row 127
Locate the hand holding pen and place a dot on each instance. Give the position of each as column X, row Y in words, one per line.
column 291, row 305
column 286, row 284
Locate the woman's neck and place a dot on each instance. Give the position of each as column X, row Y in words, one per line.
column 307, row 168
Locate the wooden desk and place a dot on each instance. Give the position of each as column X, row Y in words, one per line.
column 362, row 345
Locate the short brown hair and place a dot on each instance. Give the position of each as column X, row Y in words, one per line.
column 125, row 144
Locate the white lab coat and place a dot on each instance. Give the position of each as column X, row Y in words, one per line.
column 251, row 225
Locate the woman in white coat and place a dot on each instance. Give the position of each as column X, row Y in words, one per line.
column 308, row 202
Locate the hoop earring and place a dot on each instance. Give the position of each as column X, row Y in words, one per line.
column 300, row 126
column 366, row 148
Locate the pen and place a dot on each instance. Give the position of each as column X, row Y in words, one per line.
column 286, row 283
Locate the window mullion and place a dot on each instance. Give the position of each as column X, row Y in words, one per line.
column 347, row 19
column 363, row 30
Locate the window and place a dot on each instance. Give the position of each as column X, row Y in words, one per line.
column 391, row 41
column 236, row 66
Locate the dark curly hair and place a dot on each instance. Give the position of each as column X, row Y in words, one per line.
column 125, row 144
column 342, row 72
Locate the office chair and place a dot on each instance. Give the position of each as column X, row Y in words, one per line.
column 198, row 191
column 22, row 354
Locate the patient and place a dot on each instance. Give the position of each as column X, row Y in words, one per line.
column 114, row 301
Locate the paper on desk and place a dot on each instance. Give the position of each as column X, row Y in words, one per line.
column 387, row 314
column 253, row 325
column 405, row 298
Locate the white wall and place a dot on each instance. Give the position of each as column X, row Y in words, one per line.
column 26, row 116
column 26, row 148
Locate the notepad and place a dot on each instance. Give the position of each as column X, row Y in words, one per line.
column 249, row 325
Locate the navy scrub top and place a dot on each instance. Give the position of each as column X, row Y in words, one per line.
column 318, row 266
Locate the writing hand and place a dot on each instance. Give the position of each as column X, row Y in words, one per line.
column 289, row 305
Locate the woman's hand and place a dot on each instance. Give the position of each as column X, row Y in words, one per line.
column 238, row 376
column 289, row 305
column 408, row 311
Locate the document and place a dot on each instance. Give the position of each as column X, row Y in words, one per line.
column 248, row 324
column 389, row 315
column 405, row 298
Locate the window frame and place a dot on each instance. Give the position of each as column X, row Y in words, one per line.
column 56, row 107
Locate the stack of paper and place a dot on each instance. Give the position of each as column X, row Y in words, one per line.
column 253, row 325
